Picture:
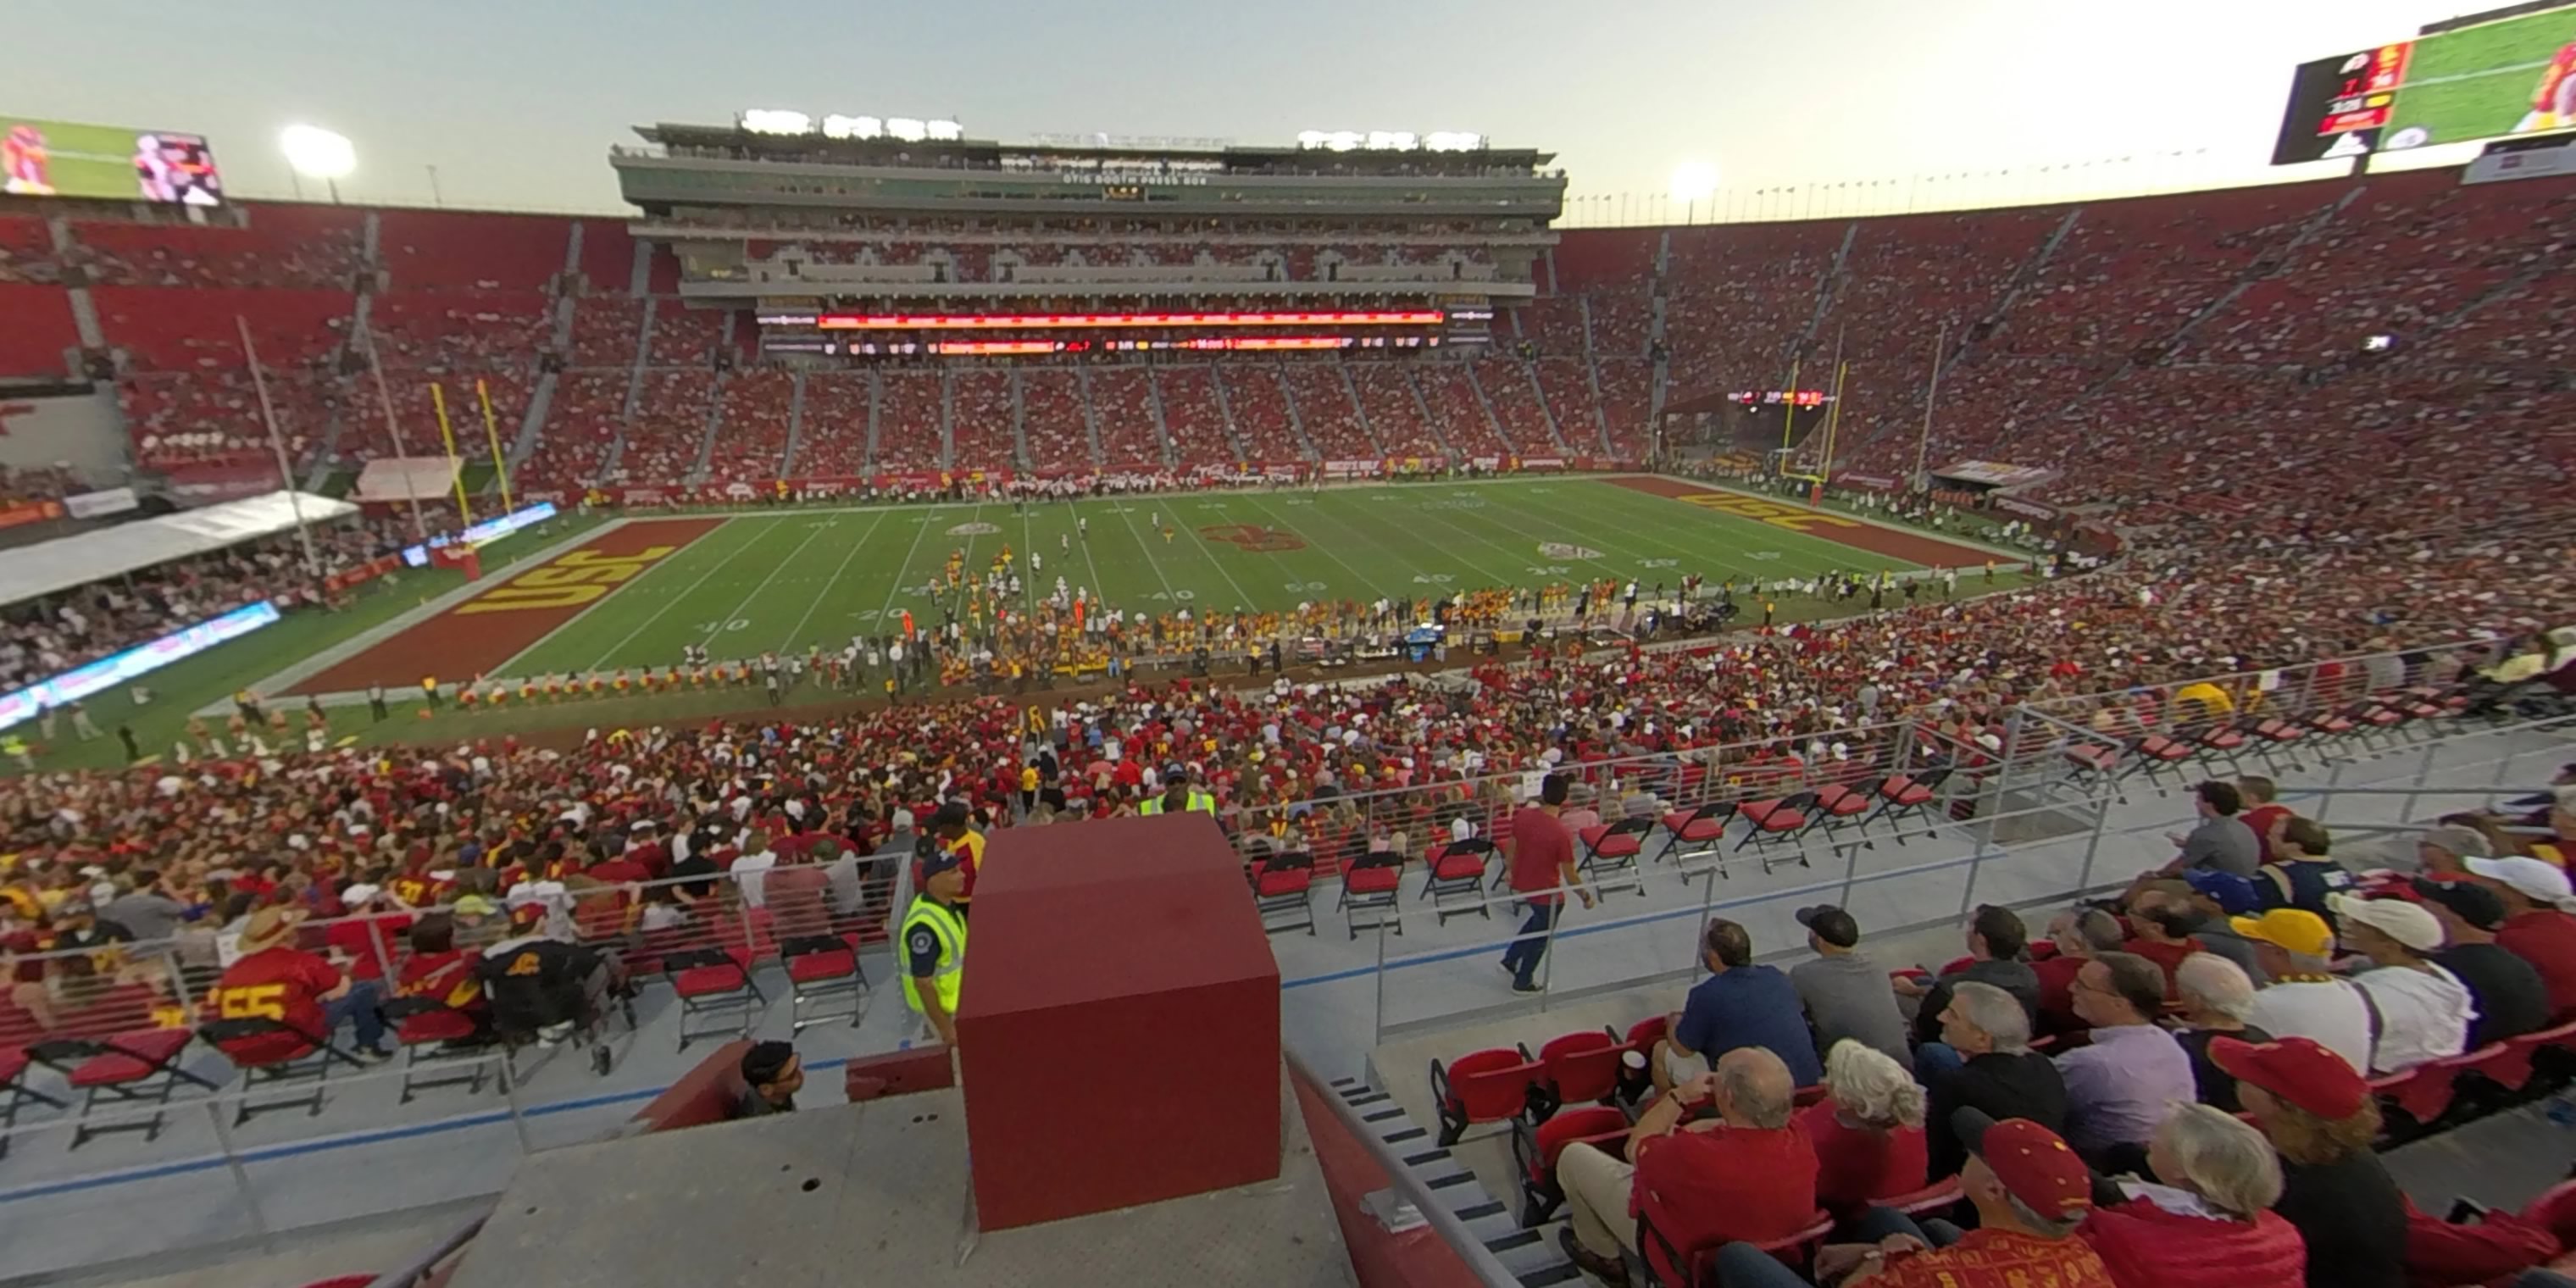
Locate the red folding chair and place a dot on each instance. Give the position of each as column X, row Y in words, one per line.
column 1905, row 796
column 1488, row 1086
column 1773, row 821
column 441, row 1045
column 1580, row 1066
column 133, row 1068
column 1458, row 871
column 1641, row 1040
column 283, row 1056
column 822, row 971
column 1696, row 831
column 1283, row 892
column 1611, row 852
column 1371, row 884
column 15, row 1068
column 1839, row 807
column 1535, row 1150
column 713, row 984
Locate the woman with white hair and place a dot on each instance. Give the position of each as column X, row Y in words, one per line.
column 1868, row 1130
column 2207, row 1220
column 2217, row 995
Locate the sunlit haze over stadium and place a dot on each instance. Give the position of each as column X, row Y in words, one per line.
column 514, row 103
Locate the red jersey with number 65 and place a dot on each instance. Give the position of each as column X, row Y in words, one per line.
column 281, row 983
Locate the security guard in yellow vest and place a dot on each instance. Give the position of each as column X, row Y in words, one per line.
column 934, row 946
column 15, row 748
column 1178, row 796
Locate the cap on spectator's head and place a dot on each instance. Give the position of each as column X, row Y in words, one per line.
column 2294, row 930
column 474, row 905
column 938, row 861
column 358, row 892
column 1831, row 924
column 2407, row 923
column 2233, row 894
column 268, row 928
column 2034, row 1164
column 2535, row 879
column 903, row 820
column 2463, row 841
column 2469, row 901
column 2296, row 1071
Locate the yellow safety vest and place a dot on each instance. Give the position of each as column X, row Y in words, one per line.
column 948, row 979
column 1200, row 802
column 13, row 745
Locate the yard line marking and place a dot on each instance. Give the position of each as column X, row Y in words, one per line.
column 774, row 570
column 817, row 601
column 886, row 609
column 1508, row 553
column 1374, row 588
column 678, row 599
column 1149, row 554
column 1099, row 589
column 586, row 610
column 1700, row 554
column 1242, row 602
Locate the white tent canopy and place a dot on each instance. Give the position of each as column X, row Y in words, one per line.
column 46, row 567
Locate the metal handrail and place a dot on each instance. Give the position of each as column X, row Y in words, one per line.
column 419, row 1267
column 1480, row 1260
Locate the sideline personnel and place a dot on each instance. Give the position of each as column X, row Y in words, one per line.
column 934, row 948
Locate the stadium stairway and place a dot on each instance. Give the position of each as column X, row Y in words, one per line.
column 1359, row 410
column 795, row 426
column 1531, row 1255
column 1090, row 420
column 1296, row 419
column 1592, row 375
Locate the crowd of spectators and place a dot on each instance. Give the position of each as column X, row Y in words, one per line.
column 1393, row 410
column 1464, row 421
column 1058, row 432
column 1258, row 406
column 908, row 422
column 2183, row 1075
column 1328, row 412
column 20, row 484
column 1123, row 399
column 751, row 427
column 832, row 434
column 1195, row 417
column 1513, row 396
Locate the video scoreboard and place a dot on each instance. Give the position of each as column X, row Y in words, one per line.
column 1004, row 334
column 2484, row 77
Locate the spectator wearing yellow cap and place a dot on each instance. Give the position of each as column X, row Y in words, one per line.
column 2303, row 1000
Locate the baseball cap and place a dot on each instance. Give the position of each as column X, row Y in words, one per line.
column 903, row 820
column 938, row 861
column 2035, row 1164
column 2298, row 1071
column 2294, row 930
column 1831, row 924
column 358, row 893
column 2463, row 841
column 2407, row 923
column 2535, row 879
column 2232, row 893
column 2471, row 902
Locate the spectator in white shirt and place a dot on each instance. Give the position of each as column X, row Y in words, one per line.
column 2303, row 1000
column 752, row 869
column 2423, row 1010
column 1461, row 829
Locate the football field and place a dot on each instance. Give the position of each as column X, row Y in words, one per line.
column 748, row 584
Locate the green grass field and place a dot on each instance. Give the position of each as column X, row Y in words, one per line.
column 782, row 582
column 2477, row 83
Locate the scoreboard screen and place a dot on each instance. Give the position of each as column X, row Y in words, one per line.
column 2515, row 75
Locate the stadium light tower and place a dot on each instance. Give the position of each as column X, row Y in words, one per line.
column 1693, row 182
column 317, row 153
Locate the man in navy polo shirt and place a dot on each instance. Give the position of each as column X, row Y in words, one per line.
column 1738, row 1005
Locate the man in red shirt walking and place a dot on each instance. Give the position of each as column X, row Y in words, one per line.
column 1542, row 862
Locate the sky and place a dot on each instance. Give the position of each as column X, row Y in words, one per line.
column 516, row 104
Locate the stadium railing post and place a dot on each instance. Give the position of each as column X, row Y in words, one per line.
column 1377, row 1036
column 1707, row 900
column 384, row 959
column 2423, row 774
column 241, row 1175
column 1547, row 951
column 518, row 1114
column 2334, row 779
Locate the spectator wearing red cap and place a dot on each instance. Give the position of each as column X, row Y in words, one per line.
column 2031, row 1193
column 2320, row 1117
column 2537, row 928
column 2207, row 1219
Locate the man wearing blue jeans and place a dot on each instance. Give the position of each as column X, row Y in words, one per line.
column 1542, row 868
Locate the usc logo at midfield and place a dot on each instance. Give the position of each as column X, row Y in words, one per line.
column 1254, row 537
column 1794, row 518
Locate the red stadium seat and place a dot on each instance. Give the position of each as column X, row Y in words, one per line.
column 15, row 1069
column 135, row 1068
column 1371, row 885
column 713, row 984
column 1903, row 796
column 1283, row 890
column 1483, row 1087
column 1580, row 1066
column 1535, row 1149
column 1696, row 831
column 1610, row 854
column 1458, row 878
column 431, row 1033
column 822, row 971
